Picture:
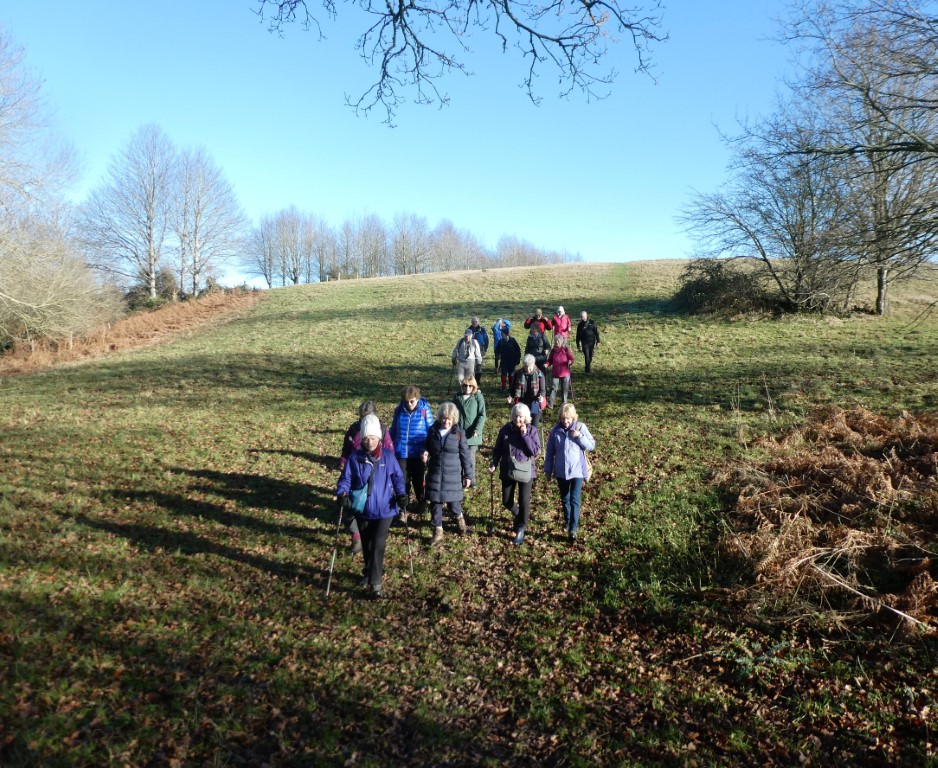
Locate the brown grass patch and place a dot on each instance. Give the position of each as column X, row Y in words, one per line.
column 845, row 514
column 137, row 330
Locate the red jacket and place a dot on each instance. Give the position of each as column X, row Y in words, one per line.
column 562, row 325
column 560, row 359
column 542, row 321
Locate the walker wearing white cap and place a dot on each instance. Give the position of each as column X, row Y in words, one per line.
column 561, row 324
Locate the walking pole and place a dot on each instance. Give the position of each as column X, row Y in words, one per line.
column 335, row 546
column 491, row 499
column 410, row 550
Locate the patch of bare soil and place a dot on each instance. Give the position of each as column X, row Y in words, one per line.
column 845, row 516
column 136, row 330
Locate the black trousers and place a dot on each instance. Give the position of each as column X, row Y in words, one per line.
column 523, row 515
column 588, row 355
column 374, row 542
column 414, row 472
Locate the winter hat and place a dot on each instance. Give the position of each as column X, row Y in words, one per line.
column 371, row 427
column 559, row 310
column 468, row 332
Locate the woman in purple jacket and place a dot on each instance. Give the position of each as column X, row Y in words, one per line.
column 372, row 484
column 514, row 453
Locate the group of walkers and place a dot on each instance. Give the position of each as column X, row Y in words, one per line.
column 429, row 459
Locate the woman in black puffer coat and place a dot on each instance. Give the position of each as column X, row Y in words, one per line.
column 449, row 470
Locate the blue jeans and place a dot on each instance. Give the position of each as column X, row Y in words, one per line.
column 570, row 496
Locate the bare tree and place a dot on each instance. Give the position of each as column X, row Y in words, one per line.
column 881, row 122
column 46, row 290
column 410, row 237
column 454, row 249
column 372, row 246
column 259, row 254
column 892, row 72
column 124, row 222
column 207, row 218
column 34, row 167
column 413, row 45
column 784, row 210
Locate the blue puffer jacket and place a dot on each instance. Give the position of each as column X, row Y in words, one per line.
column 409, row 429
column 388, row 482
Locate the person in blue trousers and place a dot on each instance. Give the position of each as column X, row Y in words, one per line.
column 565, row 460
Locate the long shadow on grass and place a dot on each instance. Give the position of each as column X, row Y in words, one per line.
column 151, row 538
column 256, row 492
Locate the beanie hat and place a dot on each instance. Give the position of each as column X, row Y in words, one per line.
column 370, row 426
column 468, row 332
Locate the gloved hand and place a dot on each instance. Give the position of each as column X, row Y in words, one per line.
column 401, row 501
column 341, row 503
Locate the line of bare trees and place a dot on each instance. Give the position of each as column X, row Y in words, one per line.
column 841, row 181
column 292, row 247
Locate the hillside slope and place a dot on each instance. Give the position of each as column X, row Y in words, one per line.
column 166, row 524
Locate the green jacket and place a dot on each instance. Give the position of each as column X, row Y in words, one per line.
column 471, row 416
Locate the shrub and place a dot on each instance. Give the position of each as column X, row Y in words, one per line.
column 721, row 287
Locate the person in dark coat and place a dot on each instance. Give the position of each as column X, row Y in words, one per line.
column 587, row 337
column 372, row 485
column 449, row 472
column 509, row 357
column 351, row 443
column 516, row 448
column 538, row 347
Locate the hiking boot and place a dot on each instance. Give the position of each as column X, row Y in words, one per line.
column 355, row 547
column 437, row 536
column 461, row 523
column 374, row 592
column 404, row 516
column 519, row 537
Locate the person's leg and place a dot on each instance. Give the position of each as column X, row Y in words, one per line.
column 576, row 490
column 565, row 387
column 564, row 486
column 554, row 383
column 524, row 502
column 508, row 494
column 456, row 508
column 587, row 357
column 417, row 471
column 379, row 544
column 473, row 450
column 367, row 533
column 535, row 409
column 436, row 514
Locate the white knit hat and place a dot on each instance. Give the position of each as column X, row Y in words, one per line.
column 371, row 427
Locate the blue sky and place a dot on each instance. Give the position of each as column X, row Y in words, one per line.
column 603, row 179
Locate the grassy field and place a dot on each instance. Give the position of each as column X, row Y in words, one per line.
column 166, row 522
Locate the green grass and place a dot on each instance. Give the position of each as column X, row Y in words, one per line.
column 166, row 525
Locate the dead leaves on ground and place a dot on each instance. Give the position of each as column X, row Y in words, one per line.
column 845, row 514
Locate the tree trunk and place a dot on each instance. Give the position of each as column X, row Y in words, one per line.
column 882, row 283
